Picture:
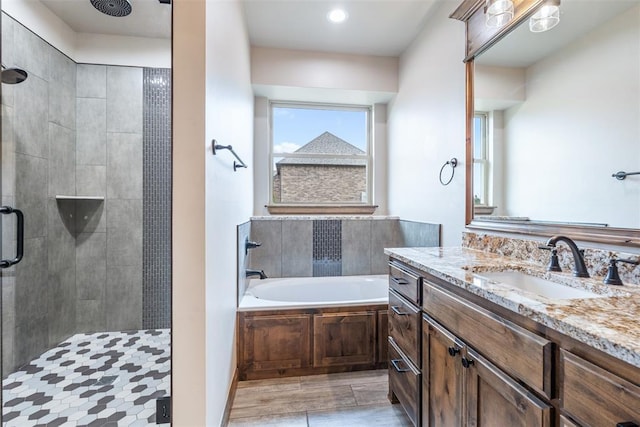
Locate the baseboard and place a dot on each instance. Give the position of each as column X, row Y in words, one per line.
column 230, row 397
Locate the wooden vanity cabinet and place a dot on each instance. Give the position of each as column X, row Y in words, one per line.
column 594, row 396
column 462, row 388
column 405, row 339
column 483, row 365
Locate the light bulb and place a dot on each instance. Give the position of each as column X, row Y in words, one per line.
column 545, row 19
column 498, row 13
column 337, row 16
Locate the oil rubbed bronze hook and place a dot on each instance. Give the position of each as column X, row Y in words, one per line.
column 622, row 175
column 453, row 162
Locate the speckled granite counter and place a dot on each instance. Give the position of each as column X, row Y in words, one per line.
column 610, row 323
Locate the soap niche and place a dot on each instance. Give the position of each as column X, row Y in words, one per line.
column 81, row 214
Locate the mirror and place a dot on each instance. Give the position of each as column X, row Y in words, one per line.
column 555, row 120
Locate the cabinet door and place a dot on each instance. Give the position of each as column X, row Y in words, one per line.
column 494, row 399
column 276, row 342
column 344, row 338
column 442, row 383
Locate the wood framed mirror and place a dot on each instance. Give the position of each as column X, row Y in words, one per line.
column 555, row 176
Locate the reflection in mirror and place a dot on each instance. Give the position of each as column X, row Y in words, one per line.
column 555, row 120
column 86, row 314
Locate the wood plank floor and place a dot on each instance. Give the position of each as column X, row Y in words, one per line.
column 350, row 399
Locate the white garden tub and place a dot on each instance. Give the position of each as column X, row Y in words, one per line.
column 308, row 292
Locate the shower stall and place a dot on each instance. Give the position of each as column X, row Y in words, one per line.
column 85, row 196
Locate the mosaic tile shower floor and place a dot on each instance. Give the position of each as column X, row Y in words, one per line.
column 100, row 379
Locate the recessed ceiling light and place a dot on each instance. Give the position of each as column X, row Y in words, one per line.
column 337, row 16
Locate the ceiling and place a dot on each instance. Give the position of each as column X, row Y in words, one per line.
column 148, row 18
column 374, row 27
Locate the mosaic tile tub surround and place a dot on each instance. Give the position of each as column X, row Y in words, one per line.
column 596, row 260
column 109, row 378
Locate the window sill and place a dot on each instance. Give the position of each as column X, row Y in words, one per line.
column 321, row 210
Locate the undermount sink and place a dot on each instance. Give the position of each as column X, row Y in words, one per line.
column 537, row 285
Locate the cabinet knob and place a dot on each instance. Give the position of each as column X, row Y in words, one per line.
column 453, row 351
column 466, row 362
column 627, row 424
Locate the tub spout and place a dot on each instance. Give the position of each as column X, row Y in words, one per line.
column 260, row 273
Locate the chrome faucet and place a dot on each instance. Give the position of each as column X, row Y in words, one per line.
column 579, row 268
column 260, row 273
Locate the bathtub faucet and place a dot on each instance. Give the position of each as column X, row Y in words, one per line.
column 256, row 273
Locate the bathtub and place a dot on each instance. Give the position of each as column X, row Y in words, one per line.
column 309, row 292
column 312, row 325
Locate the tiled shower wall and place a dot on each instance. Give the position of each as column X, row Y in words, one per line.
column 70, row 129
column 109, row 164
column 342, row 246
column 156, row 236
column 38, row 162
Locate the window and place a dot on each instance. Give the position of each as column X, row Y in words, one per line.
column 320, row 154
column 480, row 159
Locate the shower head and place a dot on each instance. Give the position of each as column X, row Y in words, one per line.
column 13, row 75
column 113, row 7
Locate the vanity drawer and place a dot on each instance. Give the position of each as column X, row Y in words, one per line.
column 520, row 353
column 404, row 326
column 404, row 282
column 404, row 382
column 594, row 396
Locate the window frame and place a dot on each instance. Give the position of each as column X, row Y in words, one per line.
column 366, row 206
column 484, row 158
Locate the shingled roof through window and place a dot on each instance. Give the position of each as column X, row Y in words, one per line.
column 326, row 143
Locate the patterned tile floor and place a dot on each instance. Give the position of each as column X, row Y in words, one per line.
column 101, row 379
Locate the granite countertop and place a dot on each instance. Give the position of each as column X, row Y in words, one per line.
column 610, row 323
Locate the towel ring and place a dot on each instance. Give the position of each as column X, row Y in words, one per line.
column 453, row 162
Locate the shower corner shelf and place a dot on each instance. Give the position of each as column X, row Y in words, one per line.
column 78, row 198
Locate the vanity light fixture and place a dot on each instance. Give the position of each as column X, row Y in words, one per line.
column 498, row 13
column 547, row 17
column 337, row 16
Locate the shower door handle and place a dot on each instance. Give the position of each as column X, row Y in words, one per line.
column 6, row 210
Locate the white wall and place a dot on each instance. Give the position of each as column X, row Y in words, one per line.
column 229, row 194
column 343, row 77
column 427, row 127
column 568, row 137
column 212, row 99
column 89, row 48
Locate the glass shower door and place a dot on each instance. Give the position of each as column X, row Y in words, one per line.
column 86, row 311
